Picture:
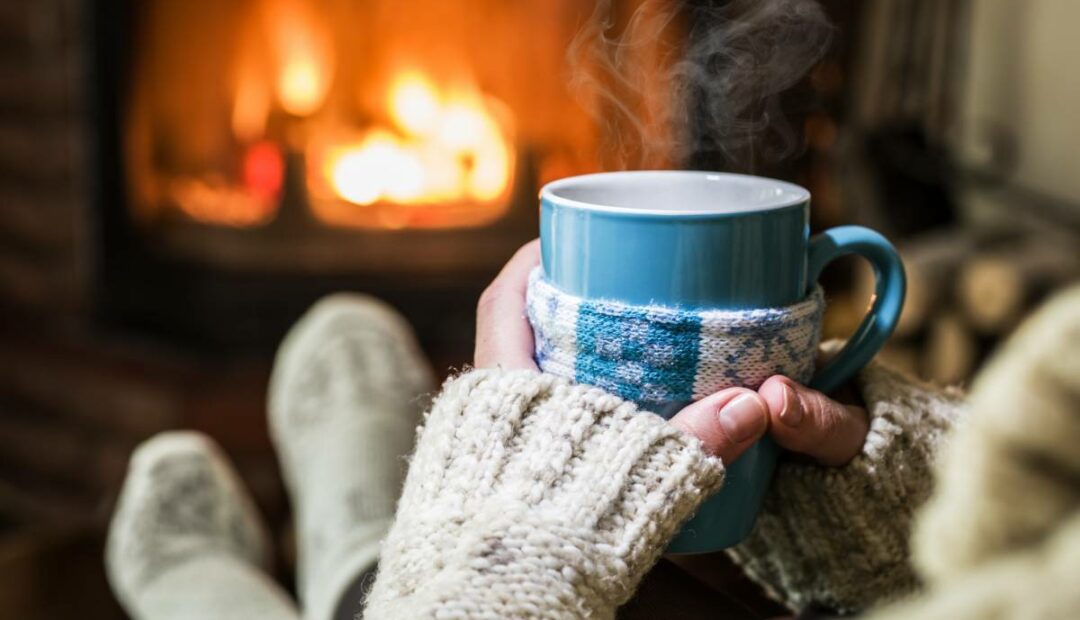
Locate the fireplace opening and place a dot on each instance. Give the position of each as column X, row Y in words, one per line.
column 255, row 154
column 225, row 98
column 263, row 128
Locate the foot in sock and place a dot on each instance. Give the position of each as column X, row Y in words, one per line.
column 186, row 541
column 345, row 399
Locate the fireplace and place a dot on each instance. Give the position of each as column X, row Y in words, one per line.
column 256, row 154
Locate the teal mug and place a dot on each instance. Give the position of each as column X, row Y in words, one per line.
column 705, row 240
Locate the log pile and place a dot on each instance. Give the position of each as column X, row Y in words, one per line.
column 967, row 290
column 998, row 287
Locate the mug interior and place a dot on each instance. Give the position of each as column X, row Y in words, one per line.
column 674, row 192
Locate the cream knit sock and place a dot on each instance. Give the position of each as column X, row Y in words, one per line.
column 186, row 542
column 345, row 399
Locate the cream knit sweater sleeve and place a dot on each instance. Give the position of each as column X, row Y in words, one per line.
column 839, row 537
column 531, row 497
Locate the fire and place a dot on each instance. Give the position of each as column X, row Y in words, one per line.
column 441, row 148
column 252, row 91
column 301, row 43
column 414, row 104
column 381, row 125
column 380, row 167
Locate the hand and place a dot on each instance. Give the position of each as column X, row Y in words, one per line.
column 504, row 338
column 728, row 422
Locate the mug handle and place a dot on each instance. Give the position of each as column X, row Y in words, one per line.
column 881, row 320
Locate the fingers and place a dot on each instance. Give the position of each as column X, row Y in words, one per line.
column 806, row 421
column 727, row 422
column 504, row 337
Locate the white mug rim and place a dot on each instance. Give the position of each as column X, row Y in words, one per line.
column 784, row 194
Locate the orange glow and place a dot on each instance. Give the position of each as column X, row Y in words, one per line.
column 356, row 114
column 213, row 201
column 305, row 61
column 414, row 104
column 445, row 148
column 264, row 170
column 251, row 109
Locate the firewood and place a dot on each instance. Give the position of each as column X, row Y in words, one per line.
column 901, row 356
column 997, row 287
column 930, row 262
column 951, row 350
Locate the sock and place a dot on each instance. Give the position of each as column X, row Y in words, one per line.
column 345, row 400
column 185, row 540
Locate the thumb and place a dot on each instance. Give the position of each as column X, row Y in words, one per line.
column 727, row 422
column 806, row 421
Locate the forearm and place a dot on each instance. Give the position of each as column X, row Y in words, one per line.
column 531, row 497
column 839, row 536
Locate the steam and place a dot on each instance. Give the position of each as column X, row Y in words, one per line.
column 670, row 86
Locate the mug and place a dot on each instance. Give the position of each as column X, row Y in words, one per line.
column 707, row 240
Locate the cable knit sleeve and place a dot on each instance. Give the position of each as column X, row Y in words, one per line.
column 531, row 497
column 839, row 536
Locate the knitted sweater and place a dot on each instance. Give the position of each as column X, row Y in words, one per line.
column 532, row 497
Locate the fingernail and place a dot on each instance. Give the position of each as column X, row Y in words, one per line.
column 791, row 414
column 742, row 418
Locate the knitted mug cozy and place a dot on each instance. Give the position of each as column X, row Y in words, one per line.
column 655, row 355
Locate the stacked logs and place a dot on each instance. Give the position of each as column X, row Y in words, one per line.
column 967, row 290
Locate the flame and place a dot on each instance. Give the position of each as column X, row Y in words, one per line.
column 305, row 62
column 443, row 148
column 379, row 167
column 251, row 108
column 414, row 104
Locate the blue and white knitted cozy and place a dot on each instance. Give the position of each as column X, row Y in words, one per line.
column 654, row 355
